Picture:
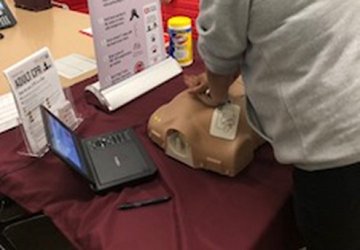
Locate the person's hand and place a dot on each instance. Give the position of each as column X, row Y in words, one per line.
column 198, row 85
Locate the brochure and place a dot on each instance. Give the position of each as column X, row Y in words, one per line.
column 34, row 81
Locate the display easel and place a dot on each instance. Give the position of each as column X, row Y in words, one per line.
column 66, row 112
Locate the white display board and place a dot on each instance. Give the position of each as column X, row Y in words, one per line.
column 128, row 38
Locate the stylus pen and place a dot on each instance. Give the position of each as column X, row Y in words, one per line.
column 136, row 204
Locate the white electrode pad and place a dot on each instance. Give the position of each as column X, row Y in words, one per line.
column 224, row 121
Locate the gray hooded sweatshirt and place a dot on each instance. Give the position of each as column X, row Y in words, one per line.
column 300, row 61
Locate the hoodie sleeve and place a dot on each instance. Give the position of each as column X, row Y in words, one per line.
column 222, row 27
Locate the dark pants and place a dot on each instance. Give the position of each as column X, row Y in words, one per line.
column 327, row 207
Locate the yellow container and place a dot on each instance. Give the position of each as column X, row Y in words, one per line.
column 181, row 46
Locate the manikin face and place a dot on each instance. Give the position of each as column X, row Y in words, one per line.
column 205, row 138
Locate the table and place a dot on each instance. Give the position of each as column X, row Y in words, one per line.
column 55, row 28
column 207, row 211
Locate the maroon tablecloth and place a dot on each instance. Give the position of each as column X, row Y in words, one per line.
column 207, row 211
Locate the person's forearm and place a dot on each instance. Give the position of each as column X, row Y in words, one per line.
column 219, row 86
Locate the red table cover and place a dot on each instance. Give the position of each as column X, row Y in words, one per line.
column 207, row 211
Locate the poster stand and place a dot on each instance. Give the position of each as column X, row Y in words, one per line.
column 66, row 112
column 115, row 96
column 130, row 51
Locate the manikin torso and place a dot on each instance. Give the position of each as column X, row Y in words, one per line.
column 182, row 128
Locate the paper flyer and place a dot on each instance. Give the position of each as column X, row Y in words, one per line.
column 128, row 37
column 74, row 65
column 9, row 115
column 34, row 81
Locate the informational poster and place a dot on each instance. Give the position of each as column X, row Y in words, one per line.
column 128, row 37
column 34, row 81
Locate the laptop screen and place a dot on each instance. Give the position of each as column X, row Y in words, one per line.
column 63, row 142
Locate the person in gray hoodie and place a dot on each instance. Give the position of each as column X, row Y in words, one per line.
column 300, row 61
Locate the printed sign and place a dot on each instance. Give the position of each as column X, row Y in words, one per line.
column 128, row 37
column 34, row 81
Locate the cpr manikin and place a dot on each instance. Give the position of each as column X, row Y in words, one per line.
column 217, row 139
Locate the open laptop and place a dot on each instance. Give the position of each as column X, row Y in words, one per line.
column 106, row 160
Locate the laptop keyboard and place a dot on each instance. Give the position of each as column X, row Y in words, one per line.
column 105, row 141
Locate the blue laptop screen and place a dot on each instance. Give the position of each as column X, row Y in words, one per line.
column 63, row 142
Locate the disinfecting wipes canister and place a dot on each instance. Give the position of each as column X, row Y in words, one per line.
column 179, row 29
